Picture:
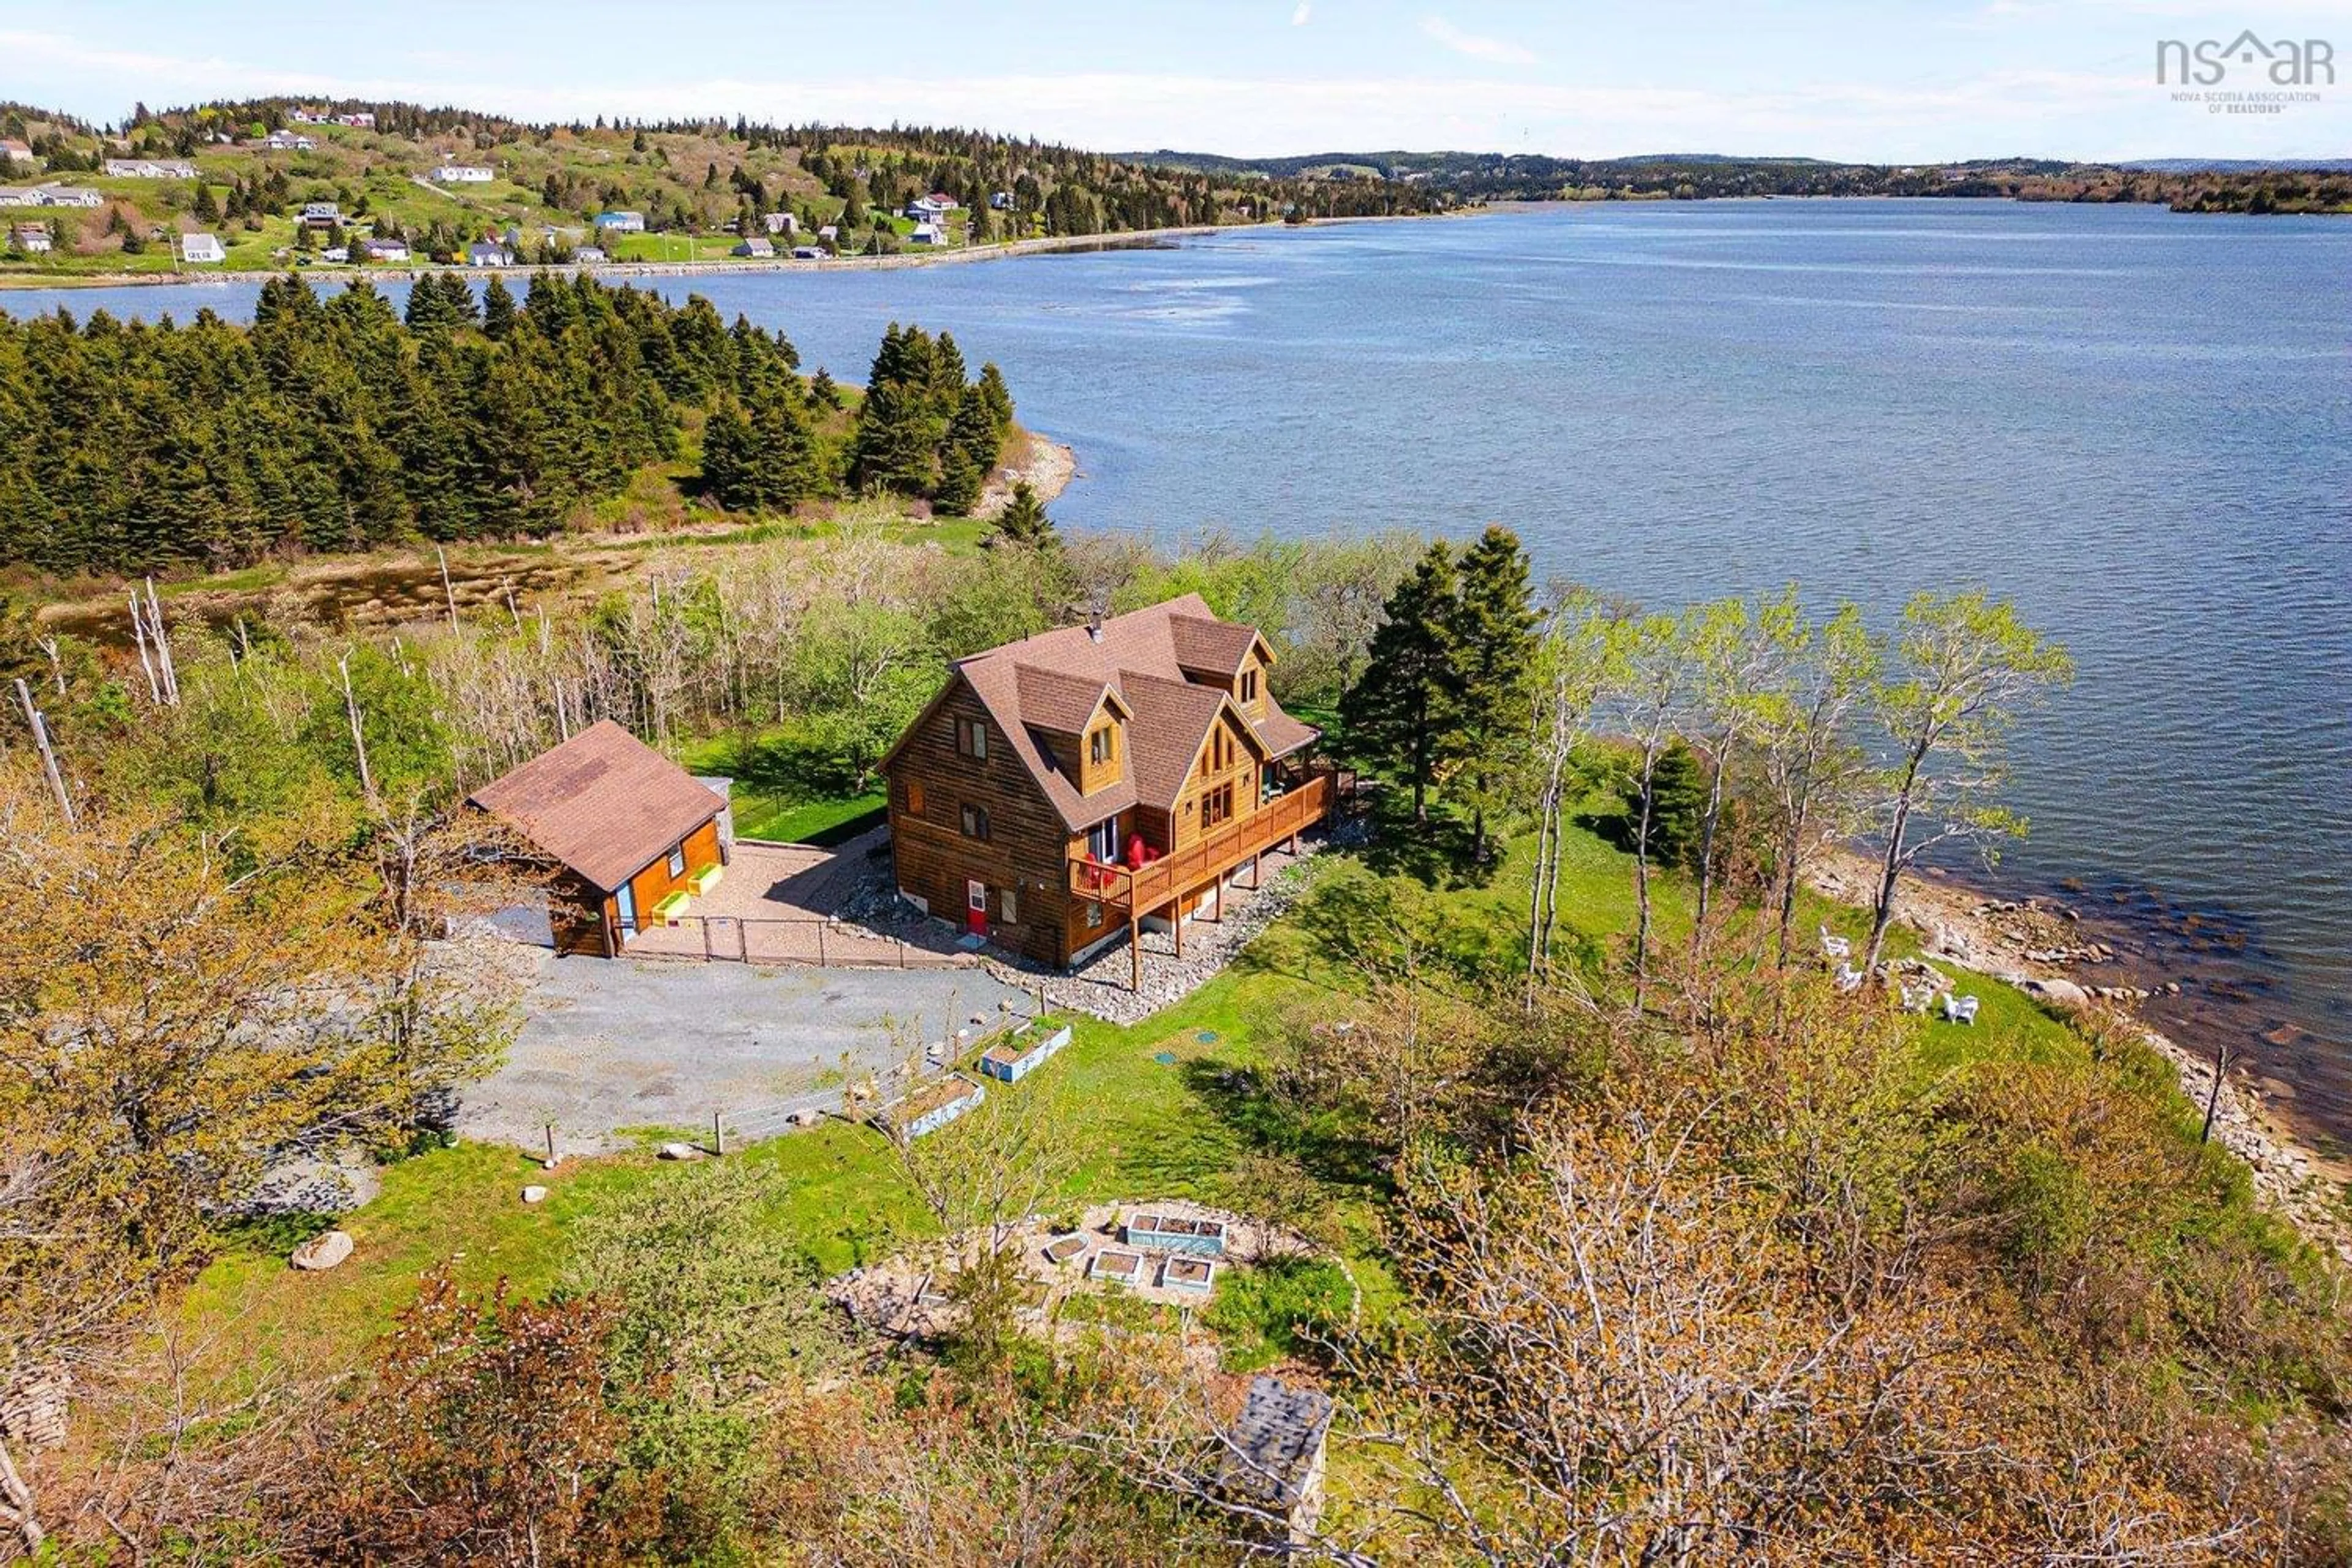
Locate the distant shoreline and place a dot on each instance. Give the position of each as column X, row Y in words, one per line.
column 1121, row 240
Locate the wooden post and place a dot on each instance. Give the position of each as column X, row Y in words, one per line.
column 1176, row 923
column 1220, row 900
column 48, row 758
column 447, row 592
column 1134, row 949
column 718, row 1135
column 551, row 1145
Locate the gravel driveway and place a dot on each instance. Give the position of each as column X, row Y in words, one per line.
column 614, row 1043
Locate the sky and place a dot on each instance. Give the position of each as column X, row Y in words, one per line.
column 1895, row 81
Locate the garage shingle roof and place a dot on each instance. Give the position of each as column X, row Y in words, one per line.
column 604, row 804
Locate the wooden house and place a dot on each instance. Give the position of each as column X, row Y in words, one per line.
column 633, row 834
column 1068, row 789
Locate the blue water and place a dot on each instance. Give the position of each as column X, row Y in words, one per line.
column 2137, row 425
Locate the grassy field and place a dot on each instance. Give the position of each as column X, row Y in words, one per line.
column 1136, row 1126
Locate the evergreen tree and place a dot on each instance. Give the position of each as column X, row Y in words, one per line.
column 960, row 481
column 1495, row 646
column 205, row 209
column 1022, row 525
column 1399, row 715
column 1000, row 401
column 972, row 435
column 497, row 311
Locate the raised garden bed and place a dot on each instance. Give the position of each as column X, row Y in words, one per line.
column 1195, row 1274
column 672, row 905
column 1170, row 1233
column 1119, row 1268
column 933, row 1107
column 702, row 882
column 1063, row 1248
column 1011, row 1060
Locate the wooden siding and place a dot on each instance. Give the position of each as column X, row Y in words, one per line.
column 1241, row 772
column 1027, row 848
column 655, row 883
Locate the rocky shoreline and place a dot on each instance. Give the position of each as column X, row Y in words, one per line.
column 2032, row 945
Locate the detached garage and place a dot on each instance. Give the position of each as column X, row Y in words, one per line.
column 633, row 835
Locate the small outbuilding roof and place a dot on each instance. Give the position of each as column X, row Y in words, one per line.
column 1271, row 1450
column 603, row 802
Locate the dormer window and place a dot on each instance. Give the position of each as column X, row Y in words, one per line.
column 1249, row 684
column 1102, row 746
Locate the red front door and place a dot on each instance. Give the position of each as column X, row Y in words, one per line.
column 975, row 908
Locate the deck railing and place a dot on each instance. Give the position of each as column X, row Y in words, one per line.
column 1146, row 888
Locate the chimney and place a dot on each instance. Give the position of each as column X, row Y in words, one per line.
column 1094, row 627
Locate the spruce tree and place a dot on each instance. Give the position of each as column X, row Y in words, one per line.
column 1494, row 647
column 1022, row 523
column 1399, row 716
column 497, row 311
column 960, row 485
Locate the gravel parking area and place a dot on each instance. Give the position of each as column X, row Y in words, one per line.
column 614, row 1044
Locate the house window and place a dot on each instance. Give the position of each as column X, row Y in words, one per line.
column 1094, row 915
column 975, row 822
column 1221, row 750
column 972, row 738
column 1102, row 841
column 1102, row 746
column 1249, row 685
column 677, row 862
column 1009, row 905
column 914, row 797
column 1217, row 806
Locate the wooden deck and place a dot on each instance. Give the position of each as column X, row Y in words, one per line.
column 1146, row 890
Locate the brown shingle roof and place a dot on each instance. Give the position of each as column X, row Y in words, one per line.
column 1141, row 658
column 603, row 802
column 1210, row 645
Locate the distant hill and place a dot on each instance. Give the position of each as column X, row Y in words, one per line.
column 2237, row 165
column 439, row 180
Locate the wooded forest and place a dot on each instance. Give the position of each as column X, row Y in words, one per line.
column 336, row 424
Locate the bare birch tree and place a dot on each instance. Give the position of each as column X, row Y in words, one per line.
column 1967, row 667
column 1802, row 718
column 1577, row 657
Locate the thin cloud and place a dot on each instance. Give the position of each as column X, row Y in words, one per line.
column 1306, row 11
column 1477, row 46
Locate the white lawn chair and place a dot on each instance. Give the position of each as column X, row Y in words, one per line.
column 1834, row 945
column 1849, row 978
column 1959, row 1009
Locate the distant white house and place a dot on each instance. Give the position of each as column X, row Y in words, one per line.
column 364, row 120
column 927, row 233
column 759, row 245
column 205, row 250
column 385, row 250
column 18, row 152
column 285, row 141
column 31, row 238
column 621, row 222
column 464, row 175
column 65, row 196
column 923, row 209
column 589, row 253
column 807, row 253
column 482, row 253
column 321, row 214
column 18, row 197
column 828, row 231
column 338, row 253
column 781, row 223
column 304, row 117
column 150, row 168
